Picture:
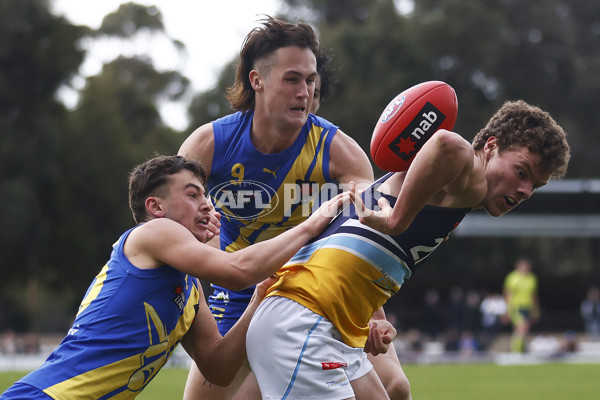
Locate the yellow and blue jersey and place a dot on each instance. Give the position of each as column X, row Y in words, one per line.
column 260, row 195
column 127, row 327
column 522, row 289
column 350, row 270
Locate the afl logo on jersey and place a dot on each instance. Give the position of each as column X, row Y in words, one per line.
column 392, row 108
column 244, row 200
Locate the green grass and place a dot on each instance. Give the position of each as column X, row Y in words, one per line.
column 493, row 382
column 436, row 382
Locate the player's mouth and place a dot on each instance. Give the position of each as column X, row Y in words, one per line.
column 203, row 221
column 510, row 201
column 299, row 109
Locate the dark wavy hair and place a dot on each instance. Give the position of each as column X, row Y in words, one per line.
column 150, row 179
column 259, row 44
column 327, row 73
column 517, row 123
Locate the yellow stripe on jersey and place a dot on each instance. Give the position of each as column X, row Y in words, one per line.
column 95, row 290
column 281, row 216
column 117, row 375
column 334, row 276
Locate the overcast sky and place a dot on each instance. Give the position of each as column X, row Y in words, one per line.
column 212, row 31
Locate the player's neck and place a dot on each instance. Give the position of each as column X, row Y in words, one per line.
column 270, row 139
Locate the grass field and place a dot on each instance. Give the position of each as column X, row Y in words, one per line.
column 442, row 382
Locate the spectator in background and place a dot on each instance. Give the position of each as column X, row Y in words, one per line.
column 472, row 314
column 432, row 314
column 590, row 312
column 456, row 310
column 520, row 294
column 493, row 308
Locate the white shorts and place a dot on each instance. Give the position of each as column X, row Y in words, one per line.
column 297, row 354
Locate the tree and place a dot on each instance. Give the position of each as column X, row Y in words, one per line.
column 489, row 51
column 64, row 173
column 38, row 54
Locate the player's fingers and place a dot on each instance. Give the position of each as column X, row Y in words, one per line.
column 261, row 289
column 332, row 206
column 361, row 210
column 379, row 345
column 384, row 204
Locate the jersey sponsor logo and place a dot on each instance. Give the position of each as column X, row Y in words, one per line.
column 417, row 132
column 333, row 365
column 73, row 330
column 221, row 296
column 342, row 381
column 392, row 108
column 179, row 298
column 274, row 173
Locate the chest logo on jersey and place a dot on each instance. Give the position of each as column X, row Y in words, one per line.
column 245, row 199
column 179, row 298
column 268, row 171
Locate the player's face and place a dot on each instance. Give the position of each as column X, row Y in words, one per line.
column 187, row 204
column 287, row 91
column 512, row 176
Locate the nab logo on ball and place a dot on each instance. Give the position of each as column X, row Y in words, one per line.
column 411, row 139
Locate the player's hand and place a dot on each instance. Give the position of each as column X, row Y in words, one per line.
column 381, row 334
column 379, row 220
column 325, row 213
column 214, row 222
column 260, row 291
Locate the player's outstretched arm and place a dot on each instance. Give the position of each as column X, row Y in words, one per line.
column 219, row 358
column 170, row 243
column 442, row 166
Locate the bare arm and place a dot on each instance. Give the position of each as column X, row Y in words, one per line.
column 441, row 172
column 219, row 358
column 163, row 241
column 348, row 162
column 200, row 146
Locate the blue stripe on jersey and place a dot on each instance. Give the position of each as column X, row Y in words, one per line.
column 305, row 252
column 372, row 253
column 353, row 226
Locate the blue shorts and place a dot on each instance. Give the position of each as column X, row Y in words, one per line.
column 228, row 306
column 23, row 391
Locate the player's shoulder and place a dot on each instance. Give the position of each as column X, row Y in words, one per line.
column 156, row 229
column 234, row 118
column 315, row 120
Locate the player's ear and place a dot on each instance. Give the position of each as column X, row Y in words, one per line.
column 256, row 80
column 490, row 145
column 154, row 207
